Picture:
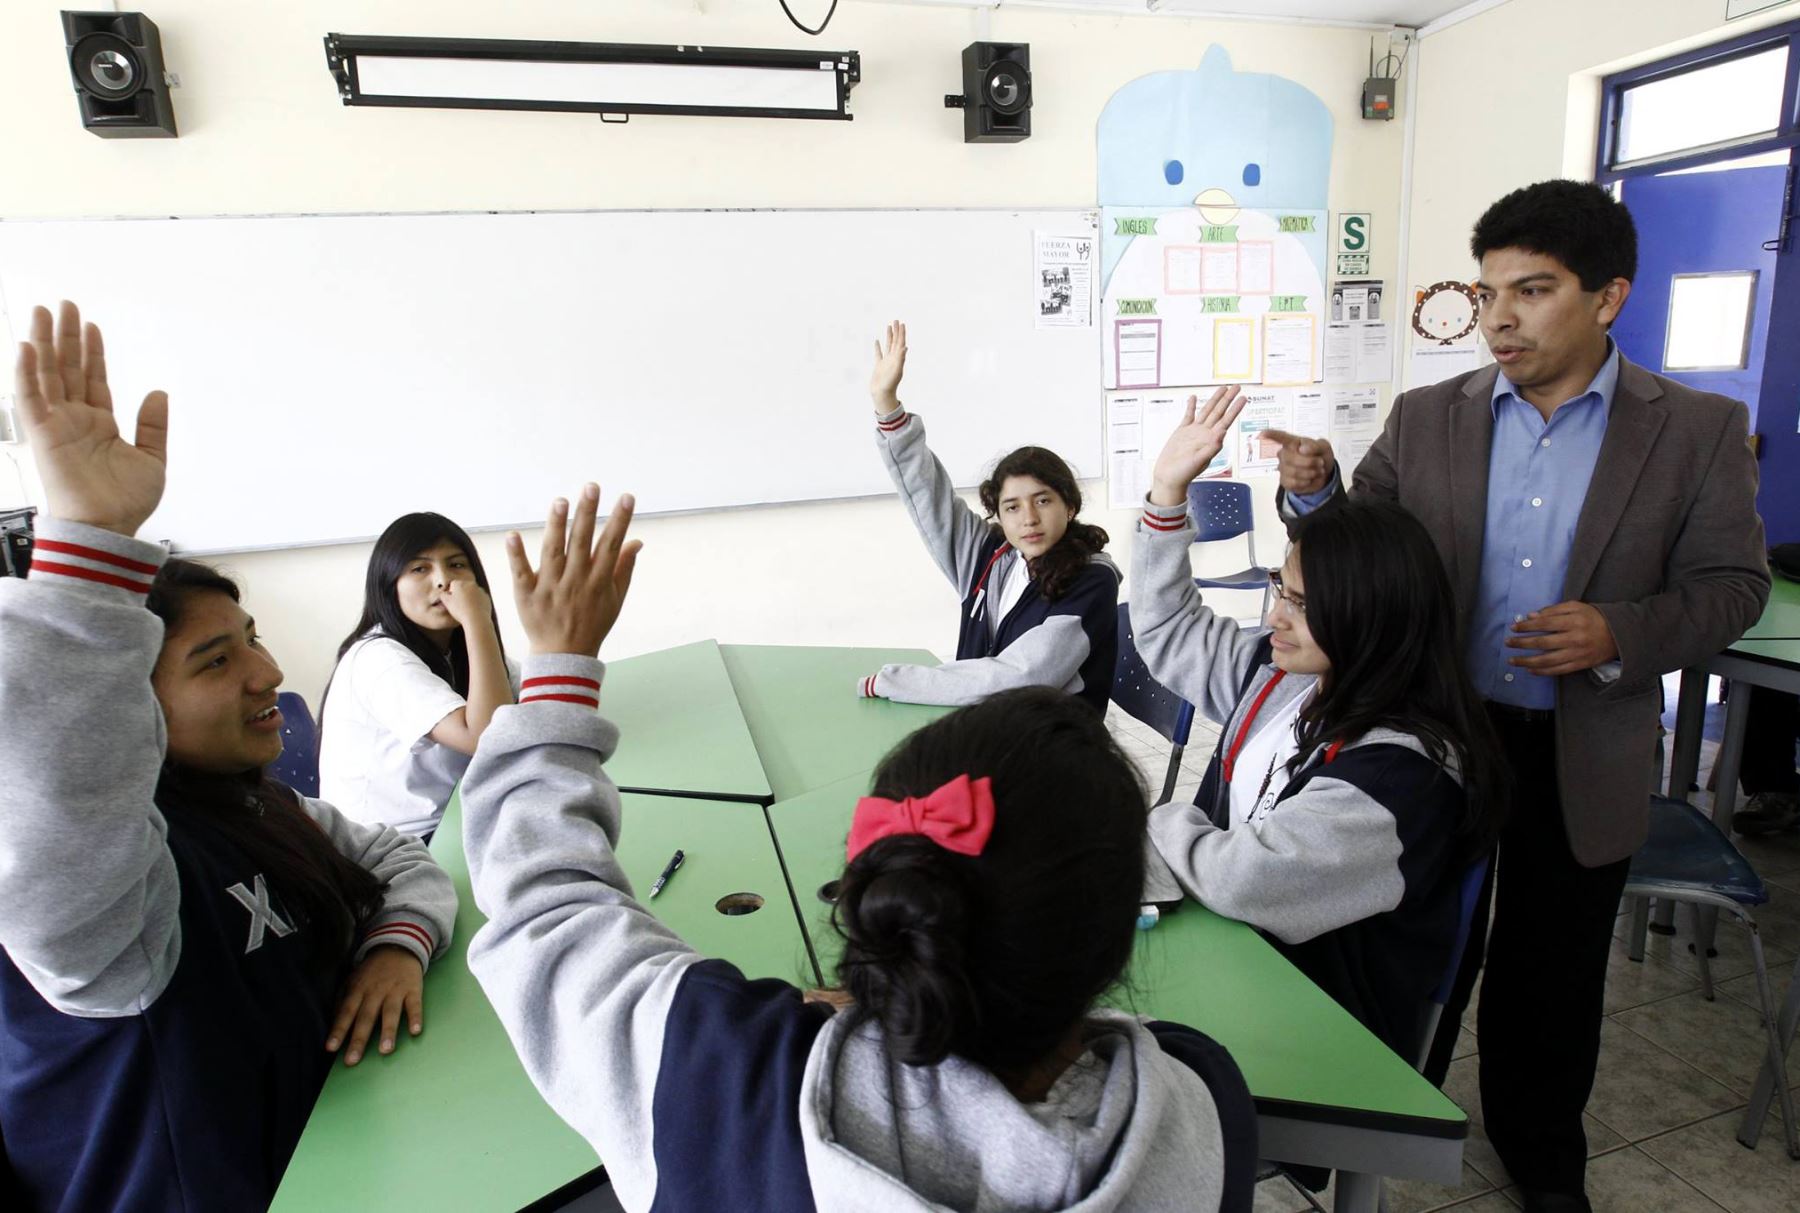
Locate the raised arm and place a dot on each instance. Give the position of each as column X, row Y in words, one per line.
column 580, row 974
column 953, row 533
column 88, row 883
column 1188, row 647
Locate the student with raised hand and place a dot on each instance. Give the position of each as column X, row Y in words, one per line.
column 417, row 679
column 990, row 897
column 183, row 941
column 1039, row 595
column 1356, row 777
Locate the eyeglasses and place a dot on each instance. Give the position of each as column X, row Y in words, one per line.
column 1294, row 604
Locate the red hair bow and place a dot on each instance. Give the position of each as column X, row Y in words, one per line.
column 958, row 817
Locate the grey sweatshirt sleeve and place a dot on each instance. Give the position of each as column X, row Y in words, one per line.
column 1049, row 655
column 89, row 888
column 953, row 533
column 579, row 973
column 419, row 908
column 1325, row 857
column 1189, row 648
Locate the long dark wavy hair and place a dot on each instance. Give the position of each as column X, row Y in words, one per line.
column 994, row 957
column 1056, row 570
column 1379, row 604
column 330, row 896
column 406, row 537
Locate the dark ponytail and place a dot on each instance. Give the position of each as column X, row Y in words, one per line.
column 994, row 957
column 318, row 887
column 1056, row 570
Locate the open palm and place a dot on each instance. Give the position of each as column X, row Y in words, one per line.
column 90, row 473
column 890, row 365
column 1196, row 441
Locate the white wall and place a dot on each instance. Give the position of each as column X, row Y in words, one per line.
column 263, row 131
column 1512, row 96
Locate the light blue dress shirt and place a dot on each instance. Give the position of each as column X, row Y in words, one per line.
column 1538, row 474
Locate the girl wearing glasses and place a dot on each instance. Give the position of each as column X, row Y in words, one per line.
column 1356, row 778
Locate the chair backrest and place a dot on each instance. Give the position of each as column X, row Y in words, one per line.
column 1142, row 697
column 298, row 766
column 1685, row 853
column 1220, row 509
column 1467, row 895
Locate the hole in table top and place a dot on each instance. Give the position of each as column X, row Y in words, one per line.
column 739, row 903
column 828, row 892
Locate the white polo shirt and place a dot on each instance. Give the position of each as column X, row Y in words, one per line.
column 377, row 761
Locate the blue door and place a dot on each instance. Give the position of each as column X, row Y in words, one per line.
column 1717, row 222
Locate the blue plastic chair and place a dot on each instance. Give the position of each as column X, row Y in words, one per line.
column 1467, row 896
column 1687, row 859
column 1221, row 510
column 1143, row 698
column 298, row 766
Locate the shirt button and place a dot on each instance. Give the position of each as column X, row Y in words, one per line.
column 1506, row 677
column 1526, row 562
column 1536, row 501
column 1543, row 442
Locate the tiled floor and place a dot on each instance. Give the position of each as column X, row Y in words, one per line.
column 1675, row 1070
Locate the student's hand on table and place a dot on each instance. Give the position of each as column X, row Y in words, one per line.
column 468, row 604
column 90, row 473
column 1197, row 440
column 890, row 365
column 1566, row 638
column 389, row 981
column 572, row 600
column 1305, row 464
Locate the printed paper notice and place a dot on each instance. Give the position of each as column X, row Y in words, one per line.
column 1264, row 409
column 1234, row 348
column 1288, row 343
column 1359, row 352
column 1355, row 423
column 1064, row 279
column 1137, row 425
column 1137, row 346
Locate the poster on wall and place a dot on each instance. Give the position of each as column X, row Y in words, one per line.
column 1063, row 280
column 1211, row 295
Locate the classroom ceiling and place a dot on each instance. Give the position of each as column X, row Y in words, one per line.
column 1374, row 12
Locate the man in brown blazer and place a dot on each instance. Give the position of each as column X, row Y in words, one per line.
column 1599, row 526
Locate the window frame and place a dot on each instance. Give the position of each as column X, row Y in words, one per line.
column 1608, row 169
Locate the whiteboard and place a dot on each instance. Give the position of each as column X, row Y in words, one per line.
column 329, row 373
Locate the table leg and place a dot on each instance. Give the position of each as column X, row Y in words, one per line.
column 1357, row 1193
column 1731, row 757
column 1690, row 722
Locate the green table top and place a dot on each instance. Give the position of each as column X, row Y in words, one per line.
column 803, row 711
column 450, row 1120
column 680, row 728
column 1302, row 1054
column 1781, row 618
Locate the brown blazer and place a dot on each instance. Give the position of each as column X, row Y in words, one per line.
column 1668, row 546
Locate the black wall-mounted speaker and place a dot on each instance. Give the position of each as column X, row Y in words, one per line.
column 996, row 96
column 116, row 61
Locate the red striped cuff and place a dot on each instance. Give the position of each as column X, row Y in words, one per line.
column 394, row 932
column 1162, row 522
column 893, row 421
column 81, row 563
column 561, row 688
column 866, row 687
